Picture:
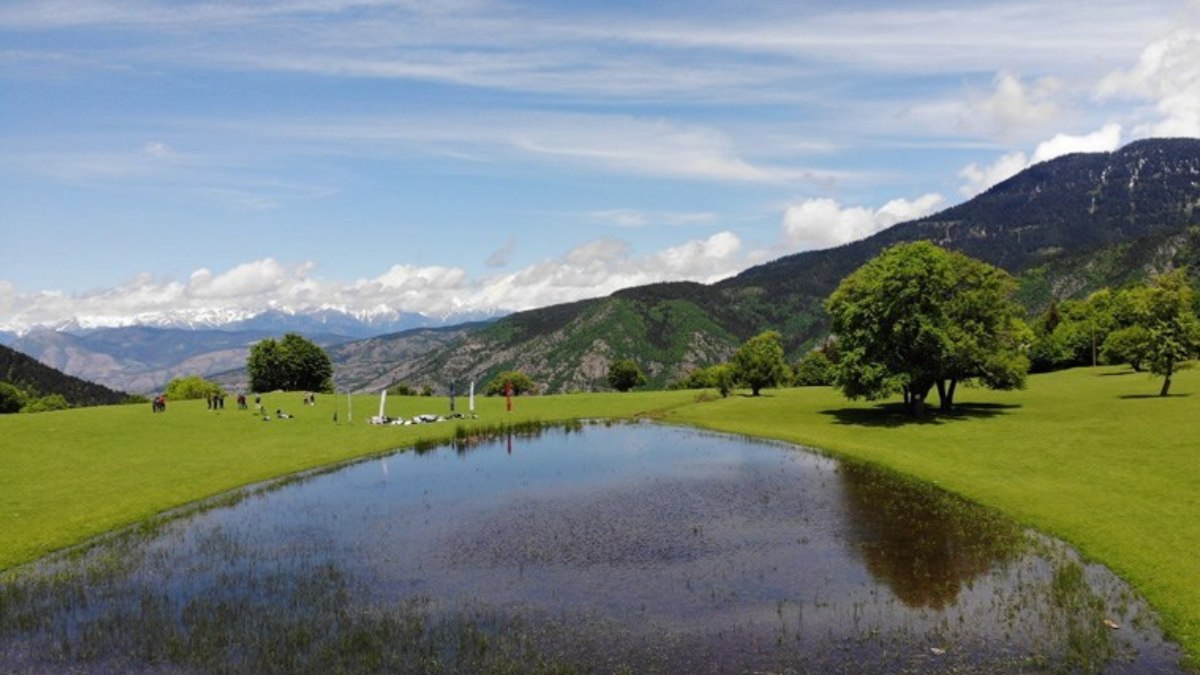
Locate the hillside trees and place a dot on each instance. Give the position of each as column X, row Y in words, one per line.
column 292, row 364
column 759, row 362
column 918, row 316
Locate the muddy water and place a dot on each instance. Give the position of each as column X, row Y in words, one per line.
column 631, row 548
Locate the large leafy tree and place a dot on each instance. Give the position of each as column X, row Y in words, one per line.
column 917, row 317
column 292, row 364
column 759, row 362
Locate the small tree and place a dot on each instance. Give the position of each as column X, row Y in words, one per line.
column 625, row 375
column 814, row 370
column 11, row 399
column 1126, row 345
column 292, row 364
column 521, row 383
column 723, row 378
column 1165, row 311
column 759, row 362
column 190, row 387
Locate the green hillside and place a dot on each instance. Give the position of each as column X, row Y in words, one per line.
column 38, row 380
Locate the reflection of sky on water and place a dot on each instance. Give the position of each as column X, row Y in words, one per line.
column 701, row 538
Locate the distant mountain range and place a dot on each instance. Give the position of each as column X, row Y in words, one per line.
column 1063, row 227
column 143, row 358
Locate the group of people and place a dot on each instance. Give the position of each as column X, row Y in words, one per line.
column 216, row 401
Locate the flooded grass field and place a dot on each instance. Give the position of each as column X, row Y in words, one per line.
column 630, row 548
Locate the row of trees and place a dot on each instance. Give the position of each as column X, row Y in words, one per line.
column 918, row 318
column 1151, row 327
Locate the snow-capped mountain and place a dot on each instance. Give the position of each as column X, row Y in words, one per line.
column 142, row 353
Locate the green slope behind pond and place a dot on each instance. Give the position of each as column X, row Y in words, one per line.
column 1088, row 455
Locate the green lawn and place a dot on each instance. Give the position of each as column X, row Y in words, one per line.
column 1088, row 455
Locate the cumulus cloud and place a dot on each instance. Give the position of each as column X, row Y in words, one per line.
column 592, row 269
column 821, row 223
column 1168, row 76
column 978, row 179
column 1013, row 107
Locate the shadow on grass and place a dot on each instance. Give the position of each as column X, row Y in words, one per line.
column 1134, row 397
column 1122, row 373
column 895, row 415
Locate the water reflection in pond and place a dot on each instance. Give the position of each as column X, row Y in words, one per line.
column 633, row 548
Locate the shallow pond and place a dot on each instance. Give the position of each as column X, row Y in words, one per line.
column 627, row 548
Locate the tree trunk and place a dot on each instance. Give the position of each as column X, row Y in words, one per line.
column 916, row 399
column 917, row 409
column 1166, row 382
column 948, row 403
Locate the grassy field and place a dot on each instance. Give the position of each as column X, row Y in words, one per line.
column 1091, row 456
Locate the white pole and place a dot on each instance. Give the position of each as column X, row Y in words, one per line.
column 472, row 399
column 382, row 402
column 349, row 407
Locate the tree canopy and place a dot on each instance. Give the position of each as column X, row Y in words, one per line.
column 521, row 383
column 759, row 362
column 1163, row 309
column 625, row 374
column 190, row 387
column 292, row 364
column 918, row 316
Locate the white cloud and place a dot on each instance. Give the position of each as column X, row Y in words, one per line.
column 822, row 223
column 979, row 179
column 1168, row 76
column 1014, row 107
column 592, row 269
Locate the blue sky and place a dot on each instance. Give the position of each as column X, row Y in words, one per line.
column 204, row 157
